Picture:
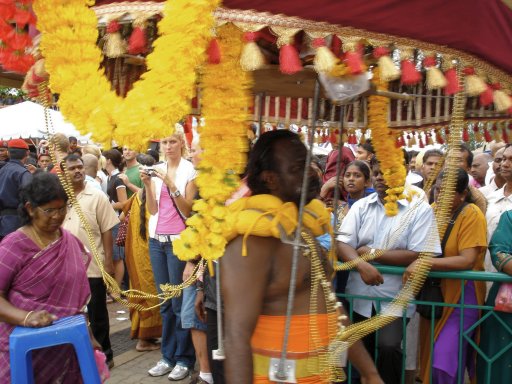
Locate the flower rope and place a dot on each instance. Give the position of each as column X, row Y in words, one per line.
column 390, row 157
column 156, row 102
column 225, row 97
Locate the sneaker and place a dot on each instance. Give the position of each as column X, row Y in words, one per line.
column 160, row 369
column 178, row 373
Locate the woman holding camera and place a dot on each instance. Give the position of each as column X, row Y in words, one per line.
column 173, row 191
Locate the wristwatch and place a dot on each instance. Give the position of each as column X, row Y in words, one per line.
column 175, row 194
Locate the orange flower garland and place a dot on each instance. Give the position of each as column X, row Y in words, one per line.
column 14, row 39
column 390, row 157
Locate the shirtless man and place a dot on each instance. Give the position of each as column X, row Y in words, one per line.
column 255, row 287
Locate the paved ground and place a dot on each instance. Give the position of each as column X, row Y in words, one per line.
column 131, row 366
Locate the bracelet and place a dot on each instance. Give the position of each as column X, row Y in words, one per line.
column 26, row 318
column 199, row 289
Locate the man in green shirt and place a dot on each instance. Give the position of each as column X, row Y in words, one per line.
column 131, row 176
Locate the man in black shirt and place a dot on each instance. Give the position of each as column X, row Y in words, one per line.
column 13, row 176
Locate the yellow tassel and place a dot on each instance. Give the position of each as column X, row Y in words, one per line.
column 114, row 46
column 496, row 134
column 474, row 85
column 429, row 140
column 344, row 137
column 478, row 135
column 251, row 58
column 324, row 60
column 413, row 140
column 435, row 78
column 388, row 70
column 502, row 101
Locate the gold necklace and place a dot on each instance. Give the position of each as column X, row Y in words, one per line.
column 39, row 241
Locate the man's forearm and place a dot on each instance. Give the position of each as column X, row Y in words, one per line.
column 400, row 257
column 108, row 243
column 133, row 187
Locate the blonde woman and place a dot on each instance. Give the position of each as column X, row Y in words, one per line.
column 169, row 202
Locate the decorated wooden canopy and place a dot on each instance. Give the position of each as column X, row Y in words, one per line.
column 415, row 45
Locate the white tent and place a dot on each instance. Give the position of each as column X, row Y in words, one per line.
column 26, row 120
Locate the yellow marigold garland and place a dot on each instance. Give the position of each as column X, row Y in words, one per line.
column 225, row 97
column 390, row 157
column 156, row 102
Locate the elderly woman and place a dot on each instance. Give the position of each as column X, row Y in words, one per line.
column 42, row 278
column 169, row 202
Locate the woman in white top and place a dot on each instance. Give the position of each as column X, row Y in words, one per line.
column 169, row 202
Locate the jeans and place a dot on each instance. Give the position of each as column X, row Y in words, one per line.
column 177, row 345
column 188, row 311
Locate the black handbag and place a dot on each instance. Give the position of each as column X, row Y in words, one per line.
column 431, row 289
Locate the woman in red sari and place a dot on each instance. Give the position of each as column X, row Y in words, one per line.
column 42, row 278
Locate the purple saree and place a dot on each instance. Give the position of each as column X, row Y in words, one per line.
column 53, row 279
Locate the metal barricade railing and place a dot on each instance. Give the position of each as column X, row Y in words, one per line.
column 486, row 312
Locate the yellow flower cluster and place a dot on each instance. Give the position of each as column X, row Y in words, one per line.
column 226, row 97
column 156, row 102
column 260, row 215
column 390, row 157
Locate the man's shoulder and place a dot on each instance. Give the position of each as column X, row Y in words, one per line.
column 94, row 193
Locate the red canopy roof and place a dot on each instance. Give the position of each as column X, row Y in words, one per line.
column 479, row 27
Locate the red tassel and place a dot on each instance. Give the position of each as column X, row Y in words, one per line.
column 333, row 136
column 486, row 97
column 113, row 27
column 137, row 44
column 336, row 45
column 487, row 136
column 504, row 135
column 410, row 75
column 352, row 139
column 213, row 52
column 354, row 61
column 465, row 135
column 452, row 87
column 421, row 142
column 439, row 138
column 289, row 61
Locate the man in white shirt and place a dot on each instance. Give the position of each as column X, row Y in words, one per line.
column 367, row 228
column 497, row 181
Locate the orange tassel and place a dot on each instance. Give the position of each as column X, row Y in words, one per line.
column 502, row 101
column 137, row 43
column 251, row 57
column 388, row 70
column 435, row 78
column 213, row 51
column 289, row 60
column 114, row 46
column 452, row 82
column 324, row 59
column 486, row 97
column 474, row 84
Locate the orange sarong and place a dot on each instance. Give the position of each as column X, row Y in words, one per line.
column 267, row 342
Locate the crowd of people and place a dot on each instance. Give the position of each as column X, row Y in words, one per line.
column 136, row 205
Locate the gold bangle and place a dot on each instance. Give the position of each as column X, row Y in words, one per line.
column 26, row 318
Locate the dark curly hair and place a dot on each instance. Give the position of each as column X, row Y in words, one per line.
column 44, row 188
column 261, row 157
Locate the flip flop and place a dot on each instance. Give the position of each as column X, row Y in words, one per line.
column 150, row 347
